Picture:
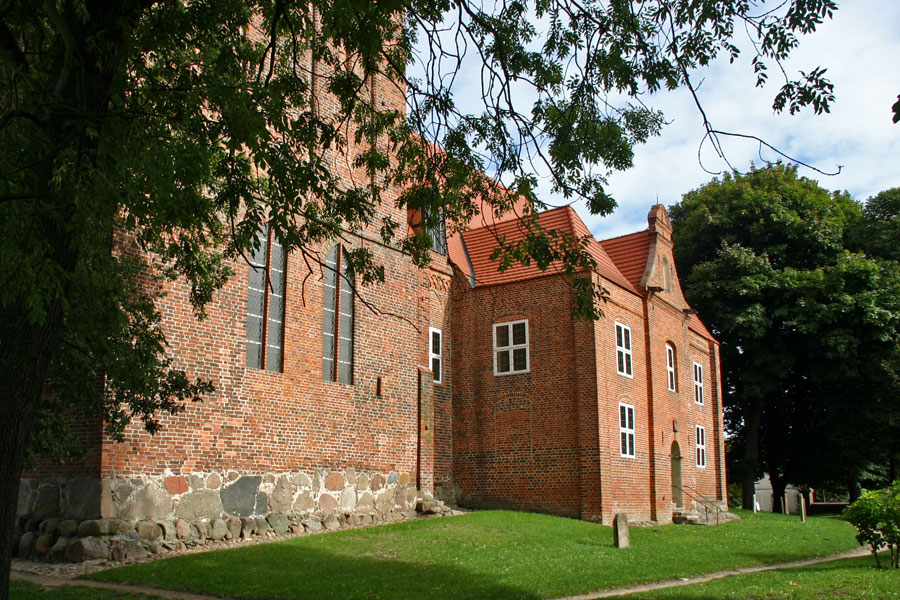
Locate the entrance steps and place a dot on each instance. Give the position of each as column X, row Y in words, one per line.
column 684, row 517
column 681, row 516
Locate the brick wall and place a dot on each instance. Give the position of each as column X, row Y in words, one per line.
column 625, row 481
column 515, row 437
column 549, row 439
column 260, row 420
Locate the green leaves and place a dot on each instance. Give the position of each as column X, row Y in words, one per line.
column 184, row 127
column 876, row 514
column 805, row 322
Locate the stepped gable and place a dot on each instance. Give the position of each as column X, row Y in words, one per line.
column 482, row 241
column 631, row 254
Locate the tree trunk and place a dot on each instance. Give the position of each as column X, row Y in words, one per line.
column 25, row 352
column 71, row 109
column 752, row 421
column 779, row 485
column 853, row 489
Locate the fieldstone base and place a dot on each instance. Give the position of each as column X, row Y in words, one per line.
column 153, row 515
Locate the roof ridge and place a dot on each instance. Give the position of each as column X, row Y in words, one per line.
column 572, row 221
column 624, row 235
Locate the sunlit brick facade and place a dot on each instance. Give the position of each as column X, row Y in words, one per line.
column 592, row 427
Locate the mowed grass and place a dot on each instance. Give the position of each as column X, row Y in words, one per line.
column 849, row 579
column 490, row 554
column 24, row 590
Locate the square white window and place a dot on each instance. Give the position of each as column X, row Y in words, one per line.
column 698, row 383
column 670, row 368
column 511, row 353
column 623, row 350
column 626, row 430
column 701, row 447
column 435, row 343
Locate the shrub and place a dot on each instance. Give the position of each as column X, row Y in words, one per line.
column 735, row 495
column 877, row 517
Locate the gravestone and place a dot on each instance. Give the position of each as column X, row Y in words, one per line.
column 620, row 531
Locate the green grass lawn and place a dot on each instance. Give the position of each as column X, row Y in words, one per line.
column 490, row 554
column 850, row 579
column 23, row 590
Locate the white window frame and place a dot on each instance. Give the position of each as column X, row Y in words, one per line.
column 511, row 347
column 626, row 434
column 624, row 351
column 701, row 446
column 698, row 384
column 671, row 377
column 432, row 355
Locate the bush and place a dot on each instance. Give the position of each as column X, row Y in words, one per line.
column 877, row 517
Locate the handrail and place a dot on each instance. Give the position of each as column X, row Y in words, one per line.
column 703, row 501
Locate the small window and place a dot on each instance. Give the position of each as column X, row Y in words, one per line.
column 626, row 430
column 670, row 368
column 701, row 447
column 623, row 350
column 511, row 348
column 434, row 352
column 438, row 233
column 698, row 383
column 265, row 303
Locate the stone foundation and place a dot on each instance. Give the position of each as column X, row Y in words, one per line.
column 143, row 515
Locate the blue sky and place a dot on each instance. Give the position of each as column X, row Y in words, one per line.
column 860, row 48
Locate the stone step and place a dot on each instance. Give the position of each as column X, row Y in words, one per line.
column 685, row 518
column 701, row 517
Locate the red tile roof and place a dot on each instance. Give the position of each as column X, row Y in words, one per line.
column 629, row 253
column 482, row 241
column 484, row 218
column 697, row 325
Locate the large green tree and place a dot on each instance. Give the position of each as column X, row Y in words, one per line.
column 876, row 233
column 186, row 125
column 808, row 328
column 877, row 230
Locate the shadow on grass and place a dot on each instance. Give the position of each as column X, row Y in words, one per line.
column 303, row 572
column 23, row 590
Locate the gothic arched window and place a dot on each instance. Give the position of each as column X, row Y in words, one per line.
column 265, row 303
column 337, row 319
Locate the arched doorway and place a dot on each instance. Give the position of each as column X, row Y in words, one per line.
column 677, row 494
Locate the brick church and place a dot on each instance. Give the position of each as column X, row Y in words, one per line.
column 488, row 393
column 474, row 385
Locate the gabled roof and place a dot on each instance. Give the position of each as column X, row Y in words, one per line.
column 484, row 218
column 697, row 325
column 629, row 253
column 481, row 242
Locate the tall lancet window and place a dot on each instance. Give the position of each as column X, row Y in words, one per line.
column 337, row 320
column 265, row 303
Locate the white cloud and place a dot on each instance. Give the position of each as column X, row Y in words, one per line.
column 858, row 47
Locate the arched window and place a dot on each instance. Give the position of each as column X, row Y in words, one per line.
column 671, row 373
column 667, row 274
column 265, row 303
column 337, row 320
